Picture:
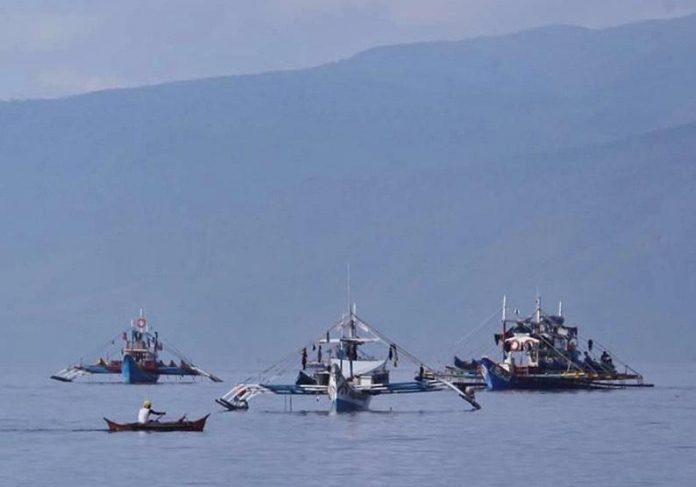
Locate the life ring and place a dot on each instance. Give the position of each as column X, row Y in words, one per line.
column 141, row 322
column 515, row 346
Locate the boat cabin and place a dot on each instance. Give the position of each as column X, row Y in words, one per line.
column 521, row 353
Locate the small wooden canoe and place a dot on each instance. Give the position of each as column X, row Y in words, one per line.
column 181, row 425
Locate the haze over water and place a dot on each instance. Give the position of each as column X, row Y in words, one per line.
column 560, row 159
column 52, row 434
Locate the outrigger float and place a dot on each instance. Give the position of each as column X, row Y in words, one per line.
column 541, row 352
column 344, row 370
column 139, row 361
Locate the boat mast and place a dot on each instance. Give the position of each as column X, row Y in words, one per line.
column 504, row 324
column 350, row 298
column 354, row 343
column 351, row 326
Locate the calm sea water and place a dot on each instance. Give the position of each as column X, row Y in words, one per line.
column 52, row 434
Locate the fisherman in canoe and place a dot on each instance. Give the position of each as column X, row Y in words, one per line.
column 146, row 411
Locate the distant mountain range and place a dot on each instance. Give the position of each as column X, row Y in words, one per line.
column 561, row 160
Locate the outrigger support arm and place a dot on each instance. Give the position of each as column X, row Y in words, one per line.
column 240, row 395
column 203, row 373
column 69, row 374
column 461, row 394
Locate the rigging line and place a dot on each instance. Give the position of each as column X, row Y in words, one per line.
column 550, row 345
column 416, row 360
column 471, row 333
column 102, row 347
column 388, row 341
column 286, row 358
column 473, row 353
column 483, row 350
column 577, row 335
column 553, row 348
column 604, row 348
column 270, row 371
column 478, row 349
column 478, row 327
column 178, row 353
column 602, row 367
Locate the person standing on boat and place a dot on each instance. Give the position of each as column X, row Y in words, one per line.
column 146, row 411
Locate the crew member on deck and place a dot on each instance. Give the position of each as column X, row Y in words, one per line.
column 146, row 411
column 607, row 360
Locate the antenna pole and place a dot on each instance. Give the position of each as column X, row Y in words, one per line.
column 350, row 298
column 504, row 307
column 504, row 330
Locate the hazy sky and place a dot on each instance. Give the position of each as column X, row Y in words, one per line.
column 56, row 48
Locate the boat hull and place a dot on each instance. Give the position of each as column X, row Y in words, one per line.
column 132, row 373
column 350, row 404
column 344, row 397
column 157, row 426
column 499, row 379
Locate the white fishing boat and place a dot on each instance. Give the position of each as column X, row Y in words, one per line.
column 351, row 363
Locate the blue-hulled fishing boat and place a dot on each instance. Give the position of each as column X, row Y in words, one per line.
column 541, row 352
column 139, row 360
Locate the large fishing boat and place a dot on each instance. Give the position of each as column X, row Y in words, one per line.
column 139, row 360
column 350, row 363
column 542, row 352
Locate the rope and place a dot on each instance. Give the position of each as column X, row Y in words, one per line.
column 175, row 351
column 472, row 332
column 101, row 348
column 270, row 372
column 417, row 361
column 570, row 362
column 614, row 357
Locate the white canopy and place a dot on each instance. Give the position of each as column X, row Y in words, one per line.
column 360, row 367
